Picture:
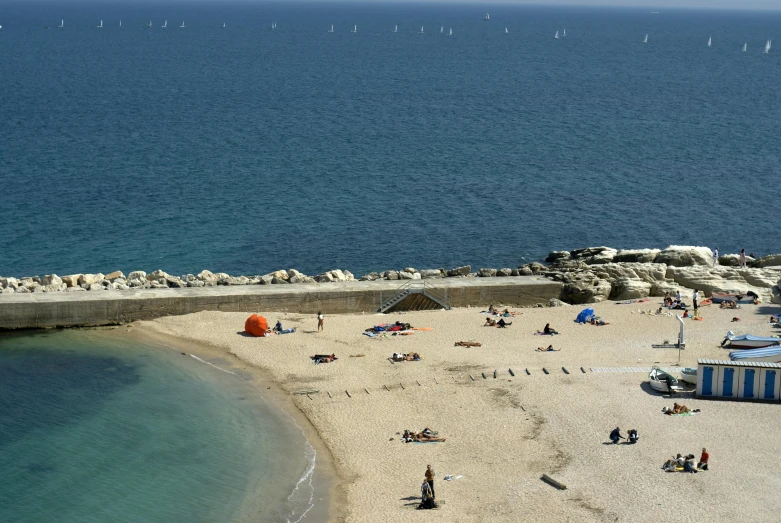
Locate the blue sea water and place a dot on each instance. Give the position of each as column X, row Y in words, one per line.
column 246, row 150
column 96, row 429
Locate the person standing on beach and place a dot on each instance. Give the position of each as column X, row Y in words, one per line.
column 743, row 258
column 319, row 321
column 430, row 473
column 715, row 256
column 695, row 297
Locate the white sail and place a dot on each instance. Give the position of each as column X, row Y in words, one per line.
column 332, row 29
column 120, row 23
column 421, row 29
column 150, row 24
column 165, row 24
column 101, row 24
column 355, row 29
column 564, row 33
column 451, row 32
column 745, row 46
column 62, row 23
column 556, row 36
column 182, row 26
column 709, row 41
column 396, row 29
column 223, row 25
column 645, row 40
column 767, row 47
column 487, row 18
column 505, row 30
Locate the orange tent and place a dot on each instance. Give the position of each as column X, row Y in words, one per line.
column 256, row 326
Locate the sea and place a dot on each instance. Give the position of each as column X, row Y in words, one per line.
column 97, row 428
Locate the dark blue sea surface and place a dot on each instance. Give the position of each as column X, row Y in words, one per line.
column 97, row 429
column 244, row 149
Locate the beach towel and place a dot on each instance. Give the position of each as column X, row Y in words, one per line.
column 427, row 329
column 683, row 414
column 370, row 334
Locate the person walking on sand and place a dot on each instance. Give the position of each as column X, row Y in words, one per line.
column 695, row 297
column 715, row 256
column 430, row 473
column 319, row 321
column 743, row 258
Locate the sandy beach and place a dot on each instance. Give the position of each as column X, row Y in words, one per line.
column 503, row 433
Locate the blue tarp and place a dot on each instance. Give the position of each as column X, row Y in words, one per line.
column 585, row 315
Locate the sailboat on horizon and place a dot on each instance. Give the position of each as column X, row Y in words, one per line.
column 331, row 30
column 745, row 46
column 441, row 29
column 120, row 23
column 101, row 25
column 355, row 29
column 709, row 41
column 506, row 31
column 564, row 33
column 182, row 26
column 62, row 24
column 421, row 30
column 150, row 24
column 645, row 40
column 487, row 18
column 273, row 25
column 165, row 24
column 451, row 32
column 223, row 25
column 556, row 36
column 395, row 29
column 768, row 45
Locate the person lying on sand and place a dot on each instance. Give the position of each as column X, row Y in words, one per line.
column 502, row 324
column 467, row 344
column 774, row 319
column 548, row 349
column 598, row 322
column 323, row 358
column 489, row 323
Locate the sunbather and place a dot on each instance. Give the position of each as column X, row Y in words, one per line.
column 489, row 323
column 549, row 348
column 502, row 324
column 670, row 465
column 323, row 358
column 774, row 319
column 598, row 322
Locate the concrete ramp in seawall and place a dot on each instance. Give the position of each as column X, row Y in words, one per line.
column 93, row 308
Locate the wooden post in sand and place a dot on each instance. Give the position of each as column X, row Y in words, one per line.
column 550, row 480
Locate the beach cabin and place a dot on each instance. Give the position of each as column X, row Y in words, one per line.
column 746, row 380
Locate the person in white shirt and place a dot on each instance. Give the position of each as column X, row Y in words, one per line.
column 715, row 256
column 319, row 321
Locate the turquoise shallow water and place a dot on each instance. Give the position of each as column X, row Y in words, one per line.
column 95, row 429
column 246, row 150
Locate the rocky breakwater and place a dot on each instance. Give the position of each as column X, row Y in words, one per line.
column 596, row 274
column 139, row 280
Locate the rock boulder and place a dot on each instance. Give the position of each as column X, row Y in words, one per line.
column 685, row 256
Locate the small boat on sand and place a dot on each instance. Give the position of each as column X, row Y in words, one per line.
column 661, row 381
column 768, row 354
column 747, row 341
column 689, row 375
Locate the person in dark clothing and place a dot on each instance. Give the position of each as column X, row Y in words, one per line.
column 633, row 437
column 502, row 324
column 615, row 435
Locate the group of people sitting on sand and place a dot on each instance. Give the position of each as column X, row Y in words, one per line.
column 506, row 312
column 323, row 358
column 632, row 437
column 425, row 435
column 493, row 323
column 729, row 304
column 678, row 409
column 686, row 463
column 674, row 303
column 412, row 356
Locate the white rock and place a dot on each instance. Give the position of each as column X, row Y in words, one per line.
column 9, row 283
column 685, row 256
column 630, row 289
column 137, row 275
column 114, row 276
column 51, row 279
column 87, row 279
column 405, row 275
column 636, row 255
column 157, row 275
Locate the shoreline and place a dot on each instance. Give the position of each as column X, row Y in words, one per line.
column 327, row 502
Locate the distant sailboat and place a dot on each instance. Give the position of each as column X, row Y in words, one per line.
column 120, row 23
column 396, row 29
column 150, row 24
column 355, row 29
column 223, row 25
column 273, row 25
column 505, row 30
column 101, row 25
column 768, row 45
column 709, row 41
column 421, row 30
column 745, row 46
column 451, row 32
column 556, row 36
column 165, row 24
column 487, row 18
column 645, row 40
column 331, row 30
column 62, row 24
column 564, row 33
column 182, row 26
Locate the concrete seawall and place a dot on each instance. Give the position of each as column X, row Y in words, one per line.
column 64, row 309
